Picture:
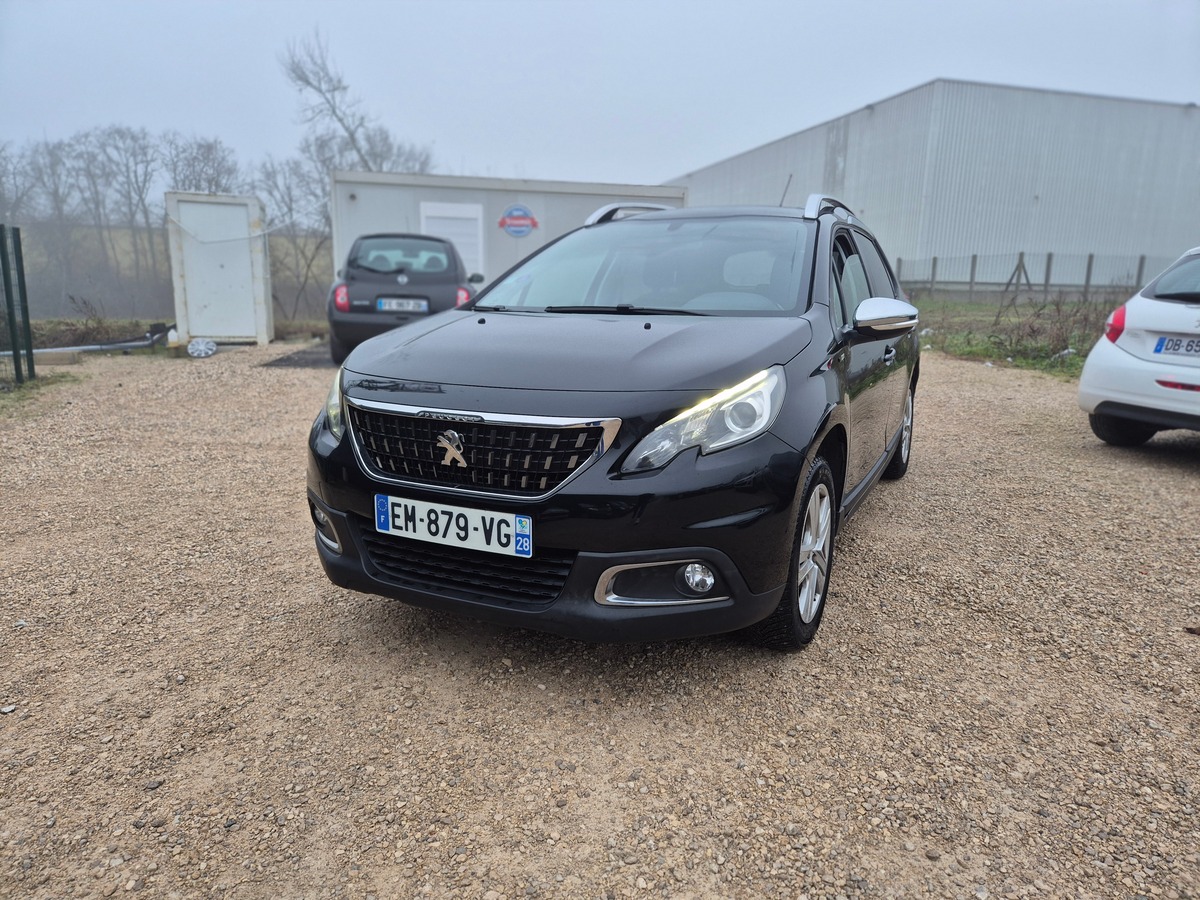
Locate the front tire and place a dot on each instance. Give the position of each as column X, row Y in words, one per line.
column 898, row 464
column 1120, row 432
column 795, row 621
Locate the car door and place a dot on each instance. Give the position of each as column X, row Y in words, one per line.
column 865, row 370
column 895, row 349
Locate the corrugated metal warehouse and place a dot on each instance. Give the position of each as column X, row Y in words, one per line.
column 952, row 169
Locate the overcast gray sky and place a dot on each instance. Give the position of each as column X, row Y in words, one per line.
column 636, row 91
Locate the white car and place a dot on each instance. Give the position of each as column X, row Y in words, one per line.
column 1143, row 375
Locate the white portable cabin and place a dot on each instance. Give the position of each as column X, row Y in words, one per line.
column 220, row 268
column 494, row 222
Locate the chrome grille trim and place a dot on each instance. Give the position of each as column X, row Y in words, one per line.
column 528, row 459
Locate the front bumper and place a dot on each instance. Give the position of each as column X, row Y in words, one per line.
column 352, row 328
column 608, row 548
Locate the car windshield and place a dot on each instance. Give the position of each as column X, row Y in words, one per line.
column 1179, row 283
column 400, row 254
column 731, row 266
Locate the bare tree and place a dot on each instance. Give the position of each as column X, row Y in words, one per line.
column 56, row 205
column 308, row 67
column 337, row 117
column 133, row 155
column 93, row 175
column 16, row 183
column 390, row 155
column 204, row 165
column 299, row 224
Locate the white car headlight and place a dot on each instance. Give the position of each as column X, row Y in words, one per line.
column 735, row 415
column 333, row 407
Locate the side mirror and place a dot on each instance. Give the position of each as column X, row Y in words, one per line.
column 881, row 317
column 476, row 278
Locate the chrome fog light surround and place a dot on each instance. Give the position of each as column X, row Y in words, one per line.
column 606, row 595
column 326, row 533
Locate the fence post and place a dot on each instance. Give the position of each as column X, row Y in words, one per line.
column 10, row 304
column 1137, row 285
column 1046, row 283
column 971, row 289
column 23, row 296
column 1087, row 279
column 933, row 277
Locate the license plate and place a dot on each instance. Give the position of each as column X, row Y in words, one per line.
column 454, row 526
column 401, row 304
column 1176, row 346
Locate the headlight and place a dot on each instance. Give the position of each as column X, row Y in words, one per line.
column 735, row 415
column 333, row 407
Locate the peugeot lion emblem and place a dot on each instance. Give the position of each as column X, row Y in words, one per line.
column 452, row 444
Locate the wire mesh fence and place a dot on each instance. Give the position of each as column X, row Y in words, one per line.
column 89, row 275
column 997, row 278
column 77, row 271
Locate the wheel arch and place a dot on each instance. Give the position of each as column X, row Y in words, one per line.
column 833, row 449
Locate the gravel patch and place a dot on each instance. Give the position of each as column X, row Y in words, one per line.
column 1002, row 701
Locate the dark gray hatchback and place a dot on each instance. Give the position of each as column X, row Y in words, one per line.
column 391, row 280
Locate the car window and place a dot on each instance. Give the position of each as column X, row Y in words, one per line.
column 723, row 266
column 880, row 278
column 1179, row 283
column 395, row 254
column 849, row 276
column 549, row 280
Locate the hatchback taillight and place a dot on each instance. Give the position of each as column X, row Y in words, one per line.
column 463, row 296
column 1115, row 326
column 341, row 298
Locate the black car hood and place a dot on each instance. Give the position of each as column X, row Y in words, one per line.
column 581, row 351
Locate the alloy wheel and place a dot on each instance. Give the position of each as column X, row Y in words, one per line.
column 906, row 435
column 816, row 539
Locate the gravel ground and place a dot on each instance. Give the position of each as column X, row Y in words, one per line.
column 1002, row 701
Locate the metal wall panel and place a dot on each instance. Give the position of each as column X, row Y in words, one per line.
column 951, row 169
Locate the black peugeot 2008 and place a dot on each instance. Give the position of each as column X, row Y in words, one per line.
column 651, row 428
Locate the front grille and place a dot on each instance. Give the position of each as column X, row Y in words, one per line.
column 515, row 459
column 469, row 574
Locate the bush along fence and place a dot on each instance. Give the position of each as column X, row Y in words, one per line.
column 1033, row 275
column 16, row 336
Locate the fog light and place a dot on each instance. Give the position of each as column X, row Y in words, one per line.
column 326, row 533
column 699, row 577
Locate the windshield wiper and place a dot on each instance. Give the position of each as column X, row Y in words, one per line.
column 625, row 309
column 1178, row 295
column 357, row 264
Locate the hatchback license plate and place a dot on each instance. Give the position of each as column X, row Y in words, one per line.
column 1178, row 346
column 454, row 526
column 401, row 304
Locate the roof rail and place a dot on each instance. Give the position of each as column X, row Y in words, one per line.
column 819, row 203
column 621, row 210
